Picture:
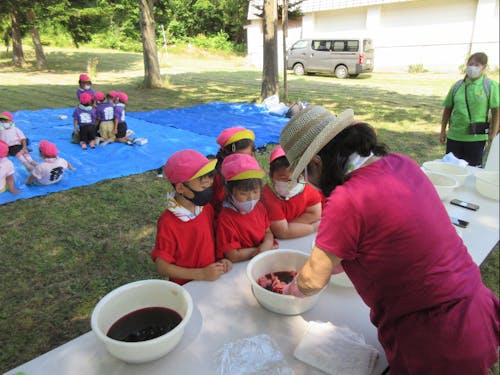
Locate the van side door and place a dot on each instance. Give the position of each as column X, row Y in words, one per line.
column 345, row 52
column 321, row 55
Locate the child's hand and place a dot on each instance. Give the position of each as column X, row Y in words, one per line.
column 213, row 271
column 228, row 265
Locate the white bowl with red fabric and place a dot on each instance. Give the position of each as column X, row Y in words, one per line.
column 278, row 261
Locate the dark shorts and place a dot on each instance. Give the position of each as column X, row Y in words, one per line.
column 122, row 130
column 13, row 150
column 87, row 133
column 472, row 152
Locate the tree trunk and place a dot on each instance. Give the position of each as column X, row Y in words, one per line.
column 152, row 77
column 41, row 61
column 284, row 30
column 270, row 77
column 17, row 44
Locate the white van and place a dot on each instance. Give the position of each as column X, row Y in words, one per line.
column 343, row 57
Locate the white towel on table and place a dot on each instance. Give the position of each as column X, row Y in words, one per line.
column 336, row 350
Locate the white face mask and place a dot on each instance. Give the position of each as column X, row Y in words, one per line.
column 282, row 188
column 87, row 87
column 7, row 125
column 355, row 161
column 244, row 207
column 473, row 72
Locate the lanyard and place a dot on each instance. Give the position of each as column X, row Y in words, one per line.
column 467, row 105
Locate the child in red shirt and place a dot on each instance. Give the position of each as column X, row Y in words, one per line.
column 242, row 226
column 231, row 140
column 184, row 247
column 293, row 213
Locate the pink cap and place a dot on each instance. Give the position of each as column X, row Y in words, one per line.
column 113, row 94
column 186, row 165
column 122, row 97
column 231, row 135
column 48, row 149
column 276, row 153
column 4, row 149
column 85, row 98
column 99, row 96
column 84, row 78
column 7, row 116
column 241, row 167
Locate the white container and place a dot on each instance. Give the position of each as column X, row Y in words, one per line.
column 135, row 296
column 277, row 261
column 443, row 183
column 455, row 171
column 487, row 184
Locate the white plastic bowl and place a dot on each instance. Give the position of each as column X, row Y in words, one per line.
column 135, row 296
column 455, row 171
column 487, row 184
column 276, row 261
column 443, row 183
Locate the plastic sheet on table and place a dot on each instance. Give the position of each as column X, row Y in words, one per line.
column 251, row 356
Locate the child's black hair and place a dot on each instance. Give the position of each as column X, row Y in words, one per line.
column 278, row 163
column 232, row 148
column 244, row 185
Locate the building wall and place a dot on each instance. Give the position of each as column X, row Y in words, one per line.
column 438, row 34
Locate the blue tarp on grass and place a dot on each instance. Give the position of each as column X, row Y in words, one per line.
column 167, row 131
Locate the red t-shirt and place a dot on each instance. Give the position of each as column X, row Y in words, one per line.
column 237, row 231
column 289, row 209
column 410, row 267
column 186, row 244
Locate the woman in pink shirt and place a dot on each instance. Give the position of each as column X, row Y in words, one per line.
column 384, row 222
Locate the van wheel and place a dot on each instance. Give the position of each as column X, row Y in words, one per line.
column 341, row 71
column 298, row 69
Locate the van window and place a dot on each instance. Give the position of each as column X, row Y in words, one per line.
column 321, row 45
column 300, row 44
column 346, row 45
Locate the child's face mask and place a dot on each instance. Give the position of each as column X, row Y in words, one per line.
column 283, row 189
column 244, row 207
column 87, row 86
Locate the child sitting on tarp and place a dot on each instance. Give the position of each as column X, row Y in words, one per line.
column 293, row 211
column 184, row 247
column 15, row 139
column 231, row 140
column 84, row 119
column 242, row 225
column 84, row 86
column 6, row 170
column 120, row 125
column 105, row 114
column 51, row 170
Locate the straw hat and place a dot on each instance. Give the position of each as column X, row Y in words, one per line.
column 308, row 132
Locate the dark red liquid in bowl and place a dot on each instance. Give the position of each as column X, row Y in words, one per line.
column 144, row 324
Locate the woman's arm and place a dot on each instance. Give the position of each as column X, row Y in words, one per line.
column 494, row 124
column 315, row 274
column 445, row 119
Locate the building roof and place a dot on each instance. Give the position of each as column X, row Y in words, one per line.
column 310, row 6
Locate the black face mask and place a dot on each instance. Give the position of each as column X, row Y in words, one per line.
column 201, row 198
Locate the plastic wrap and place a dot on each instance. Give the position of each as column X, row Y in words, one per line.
column 251, row 356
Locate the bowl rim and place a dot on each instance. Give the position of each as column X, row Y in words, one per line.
column 426, row 164
column 108, row 340
column 268, row 292
column 450, row 176
column 481, row 175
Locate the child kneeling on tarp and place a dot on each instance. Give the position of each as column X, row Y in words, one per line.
column 184, row 247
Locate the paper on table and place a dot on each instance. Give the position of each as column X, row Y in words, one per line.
column 251, row 356
column 336, row 350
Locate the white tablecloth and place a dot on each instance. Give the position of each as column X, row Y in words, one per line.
column 226, row 310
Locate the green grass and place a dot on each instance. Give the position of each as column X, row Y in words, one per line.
column 60, row 253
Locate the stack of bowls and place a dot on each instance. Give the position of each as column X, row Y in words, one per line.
column 487, row 184
column 443, row 183
column 458, row 172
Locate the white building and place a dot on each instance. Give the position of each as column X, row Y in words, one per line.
column 439, row 34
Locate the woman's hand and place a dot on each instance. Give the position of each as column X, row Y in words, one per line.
column 442, row 136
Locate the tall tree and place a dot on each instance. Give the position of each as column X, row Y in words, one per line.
column 270, row 77
column 41, row 61
column 152, row 77
column 16, row 34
